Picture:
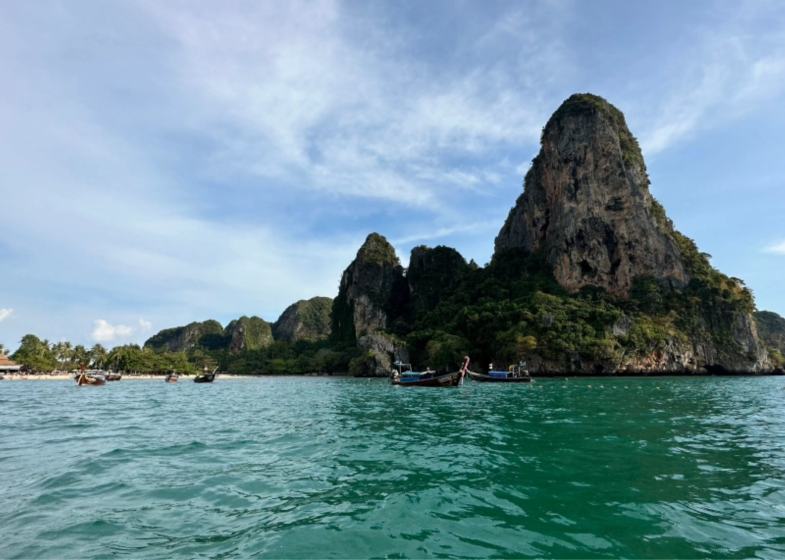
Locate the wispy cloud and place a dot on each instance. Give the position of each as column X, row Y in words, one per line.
column 308, row 102
column 145, row 325
column 5, row 313
column 777, row 248
column 726, row 73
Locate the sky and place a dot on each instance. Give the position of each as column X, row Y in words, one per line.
column 169, row 161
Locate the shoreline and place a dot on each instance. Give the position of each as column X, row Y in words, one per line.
column 543, row 375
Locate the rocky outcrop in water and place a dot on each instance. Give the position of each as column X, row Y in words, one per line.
column 586, row 204
column 587, row 212
column 305, row 320
column 370, row 291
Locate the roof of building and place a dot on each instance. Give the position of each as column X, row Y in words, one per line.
column 5, row 363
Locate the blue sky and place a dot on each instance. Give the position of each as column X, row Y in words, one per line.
column 171, row 161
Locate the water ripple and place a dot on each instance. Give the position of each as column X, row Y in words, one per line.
column 345, row 468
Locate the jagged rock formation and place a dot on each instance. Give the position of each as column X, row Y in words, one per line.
column 586, row 204
column 771, row 328
column 208, row 334
column 380, row 351
column 587, row 211
column 305, row 320
column 433, row 274
column 370, row 290
column 248, row 333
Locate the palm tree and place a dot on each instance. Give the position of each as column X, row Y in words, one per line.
column 57, row 348
column 44, row 348
column 68, row 351
column 80, row 355
column 98, row 356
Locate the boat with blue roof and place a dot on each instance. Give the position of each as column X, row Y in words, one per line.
column 514, row 374
column 404, row 376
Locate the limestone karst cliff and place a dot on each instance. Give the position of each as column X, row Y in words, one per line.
column 245, row 333
column 209, row 334
column 586, row 204
column 369, row 291
column 588, row 276
column 305, row 320
column 587, row 212
column 771, row 329
column 433, row 274
column 248, row 333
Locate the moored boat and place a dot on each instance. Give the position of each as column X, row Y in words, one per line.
column 206, row 377
column 171, row 377
column 515, row 374
column 427, row 378
column 114, row 376
column 94, row 380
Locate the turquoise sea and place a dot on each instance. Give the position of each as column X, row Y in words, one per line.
column 353, row 468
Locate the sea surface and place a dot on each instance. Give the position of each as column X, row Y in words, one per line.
column 354, row 468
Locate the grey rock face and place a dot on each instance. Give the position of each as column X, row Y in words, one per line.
column 381, row 352
column 771, row 328
column 366, row 296
column 586, row 204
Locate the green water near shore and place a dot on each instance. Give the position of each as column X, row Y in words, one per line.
column 348, row 468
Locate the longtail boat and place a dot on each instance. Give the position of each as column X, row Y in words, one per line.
column 205, row 377
column 514, row 374
column 427, row 378
column 85, row 379
column 114, row 376
column 171, row 377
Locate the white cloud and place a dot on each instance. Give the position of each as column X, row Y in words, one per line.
column 289, row 93
column 104, row 332
column 145, row 325
column 778, row 248
column 5, row 313
column 729, row 72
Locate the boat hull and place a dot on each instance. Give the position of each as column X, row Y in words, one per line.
column 209, row 378
column 114, row 377
column 88, row 380
column 171, row 380
column 445, row 380
column 482, row 378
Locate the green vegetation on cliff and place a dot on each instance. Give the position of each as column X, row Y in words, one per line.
column 208, row 334
column 305, row 320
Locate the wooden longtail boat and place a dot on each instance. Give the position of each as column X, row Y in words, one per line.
column 85, row 379
column 515, row 374
column 205, row 377
column 114, row 376
column 428, row 378
column 171, row 377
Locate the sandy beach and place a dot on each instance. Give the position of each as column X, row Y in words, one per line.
column 126, row 377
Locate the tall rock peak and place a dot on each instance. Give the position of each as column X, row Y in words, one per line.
column 586, row 204
column 370, row 288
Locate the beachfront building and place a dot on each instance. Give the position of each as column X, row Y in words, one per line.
column 8, row 366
